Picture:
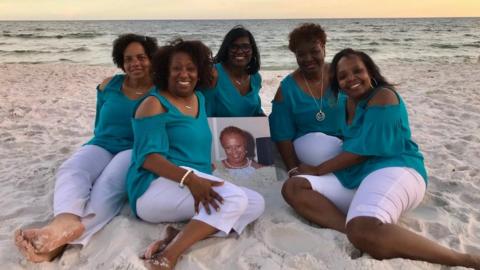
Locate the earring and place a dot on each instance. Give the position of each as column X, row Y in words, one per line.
column 375, row 83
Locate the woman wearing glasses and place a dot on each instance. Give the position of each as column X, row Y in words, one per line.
column 234, row 91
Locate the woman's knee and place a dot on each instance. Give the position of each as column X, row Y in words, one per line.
column 292, row 187
column 234, row 196
column 365, row 234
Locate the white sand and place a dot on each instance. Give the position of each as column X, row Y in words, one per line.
column 47, row 112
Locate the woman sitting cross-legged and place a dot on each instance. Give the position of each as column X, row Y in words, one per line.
column 378, row 176
column 170, row 178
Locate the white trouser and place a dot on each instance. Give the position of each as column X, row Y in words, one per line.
column 165, row 201
column 385, row 194
column 91, row 185
column 316, row 147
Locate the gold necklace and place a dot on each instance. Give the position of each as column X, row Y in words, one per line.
column 137, row 91
column 241, row 82
column 320, row 115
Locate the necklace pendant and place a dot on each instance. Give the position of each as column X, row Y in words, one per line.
column 320, row 116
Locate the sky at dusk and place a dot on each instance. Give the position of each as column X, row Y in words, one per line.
column 232, row 9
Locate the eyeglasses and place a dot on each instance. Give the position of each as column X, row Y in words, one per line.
column 245, row 47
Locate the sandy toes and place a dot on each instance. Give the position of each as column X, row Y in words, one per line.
column 25, row 247
column 159, row 245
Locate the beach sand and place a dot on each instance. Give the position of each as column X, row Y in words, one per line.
column 47, row 112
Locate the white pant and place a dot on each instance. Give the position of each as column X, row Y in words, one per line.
column 91, row 185
column 165, row 201
column 384, row 194
column 316, row 147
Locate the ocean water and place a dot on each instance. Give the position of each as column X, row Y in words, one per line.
column 89, row 42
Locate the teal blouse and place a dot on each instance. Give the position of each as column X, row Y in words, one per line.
column 383, row 134
column 224, row 100
column 181, row 139
column 113, row 127
column 294, row 115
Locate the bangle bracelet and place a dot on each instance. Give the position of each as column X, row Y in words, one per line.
column 292, row 170
column 184, row 177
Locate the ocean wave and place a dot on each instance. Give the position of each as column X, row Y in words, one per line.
column 390, row 39
column 443, row 46
column 24, row 52
column 354, row 31
column 373, row 43
column 79, row 49
column 59, row 36
column 473, row 45
column 409, row 39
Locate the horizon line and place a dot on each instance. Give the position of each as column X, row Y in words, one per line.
column 243, row 19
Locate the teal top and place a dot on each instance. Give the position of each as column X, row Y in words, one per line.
column 383, row 134
column 224, row 100
column 294, row 115
column 181, row 139
column 113, row 127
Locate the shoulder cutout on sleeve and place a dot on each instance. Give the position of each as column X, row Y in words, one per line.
column 149, row 107
column 102, row 86
column 278, row 96
column 384, row 96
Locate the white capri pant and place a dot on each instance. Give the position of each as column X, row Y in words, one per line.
column 165, row 201
column 384, row 194
column 91, row 185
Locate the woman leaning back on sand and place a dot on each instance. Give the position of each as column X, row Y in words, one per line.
column 378, row 175
column 90, row 185
column 170, row 178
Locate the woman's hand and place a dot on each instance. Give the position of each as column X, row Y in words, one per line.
column 202, row 192
column 307, row 169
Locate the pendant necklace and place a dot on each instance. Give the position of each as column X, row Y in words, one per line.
column 320, row 115
column 230, row 166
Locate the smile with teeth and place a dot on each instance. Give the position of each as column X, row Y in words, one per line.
column 184, row 83
column 355, row 85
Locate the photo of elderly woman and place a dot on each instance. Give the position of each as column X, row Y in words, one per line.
column 235, row 143
column 242, row 146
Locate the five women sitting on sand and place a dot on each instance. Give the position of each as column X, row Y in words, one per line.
column 342, row 131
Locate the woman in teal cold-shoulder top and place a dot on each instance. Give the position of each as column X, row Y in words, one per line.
column 236, row 84
column 90, row 185
column 378, row 175
column 305, row 118
column 170, row 177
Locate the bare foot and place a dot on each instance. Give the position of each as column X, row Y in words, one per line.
column 41, row 244
column 159, row 262
column 159, row 245
column 29, row 251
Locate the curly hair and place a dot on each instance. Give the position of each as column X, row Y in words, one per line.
column 237, row 32
column 201, row 57
column 377, row 79
column 306, row 32
column 149, row 44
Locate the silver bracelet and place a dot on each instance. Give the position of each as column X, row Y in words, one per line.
column 292, row 170
column 184, row 177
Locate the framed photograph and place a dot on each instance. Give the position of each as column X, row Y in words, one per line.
column 242, row 149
